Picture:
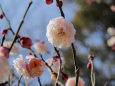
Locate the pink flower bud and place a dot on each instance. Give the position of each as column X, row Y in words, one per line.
column 4, row 52
column 89, row 65
column 61, row 4
column 64, row 77
column 42, row 41
column 48, row 2
column 91, row 57
column 25, row 42
column 1, row 16
column 4, row 31
column 55, row 58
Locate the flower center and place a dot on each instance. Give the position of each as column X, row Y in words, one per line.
column 61, row 32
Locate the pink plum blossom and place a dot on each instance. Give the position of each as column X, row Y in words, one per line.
column 54, row 63
column 31, row 68
column 4, row 52
column 14, row 49
column 5, row 69
column 60, row 32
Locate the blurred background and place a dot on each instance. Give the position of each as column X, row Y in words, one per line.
column 94, row 21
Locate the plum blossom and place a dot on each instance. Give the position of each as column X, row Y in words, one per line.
column 5, row 69
column 4, row 52
column 111, row 41
column 111, row 30
column 40, row 47
column 30, row 68
column 71, row 82
column 14, row 49
column 54, row 63
column 60, row 32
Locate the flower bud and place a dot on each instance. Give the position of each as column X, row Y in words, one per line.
column 91, row 57
column 48, row 2
column 4, row 52
column 4, row 31
column 61, row 4
column 25, row 42
column 1, row 16
column 64, row 77
column 89, row 65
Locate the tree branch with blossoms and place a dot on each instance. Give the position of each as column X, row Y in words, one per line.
column 73, row 48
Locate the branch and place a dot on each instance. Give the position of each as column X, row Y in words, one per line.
column 39, row 81
column 19, row 80
column 15, row 37
column 60, row 8
column 75, row 64
column 59, row 72
column 3, row 38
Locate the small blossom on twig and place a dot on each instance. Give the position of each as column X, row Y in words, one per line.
column 54, row 63
column 40, row 47
column 4, row 52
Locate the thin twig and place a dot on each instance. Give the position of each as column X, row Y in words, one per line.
column 39, row 81
column 19, row 80
column 73, row 48
column 75, row 64
column 92, row 74
column 46, row 63
column 106, row 84
column 15, row 37
column 60, row 8
column 59, row 72
column 3, row 38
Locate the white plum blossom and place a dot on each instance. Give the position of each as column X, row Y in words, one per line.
column 40, row 47
column 14, row 49
column 54, row 63
column 5, row 69
column 60, row 32
column 21, row 66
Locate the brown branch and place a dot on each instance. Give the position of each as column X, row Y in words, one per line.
column 92, row 74
column 19, row 80
column 60, row 8
column 75, row 64
column 73, row 49
column 39, row 81
column 15, row 36
column 3, row 38
column 59, row 72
